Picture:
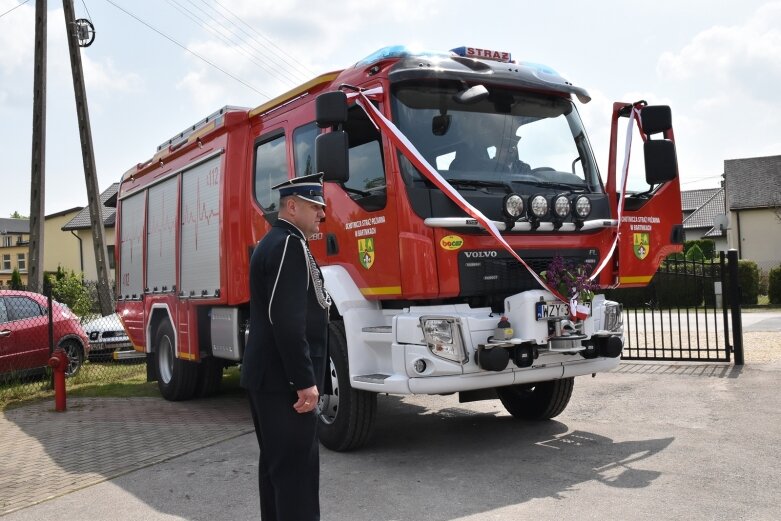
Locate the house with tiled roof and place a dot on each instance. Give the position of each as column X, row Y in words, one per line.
column 753, row 191
column 81, row 227
column 703, row 212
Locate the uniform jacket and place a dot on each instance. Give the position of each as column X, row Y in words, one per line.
column 288, row 326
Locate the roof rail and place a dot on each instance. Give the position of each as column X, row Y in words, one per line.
column 182, row 136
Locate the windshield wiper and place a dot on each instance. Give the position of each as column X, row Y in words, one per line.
column 479, row 183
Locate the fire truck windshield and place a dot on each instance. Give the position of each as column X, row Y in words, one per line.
column 519, row 139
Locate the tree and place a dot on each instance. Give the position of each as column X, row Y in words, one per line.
column 17, row 215
column 70, row 291
column 16, row 280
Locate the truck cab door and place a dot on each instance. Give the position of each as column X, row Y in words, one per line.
column 361, row 230
column 650, row 227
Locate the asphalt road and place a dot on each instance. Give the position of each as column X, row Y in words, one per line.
column 648, row 441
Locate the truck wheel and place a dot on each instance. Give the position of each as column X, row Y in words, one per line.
column 347, row 415
column 537, row 401
column 176, row 378
column 209, row 376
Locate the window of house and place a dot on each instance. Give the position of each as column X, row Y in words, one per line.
column 7, row 261
column 21, row 262
column 110, row 253
column 270, row 170
column 7, row 240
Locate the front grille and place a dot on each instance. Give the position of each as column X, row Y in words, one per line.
column 494, row 272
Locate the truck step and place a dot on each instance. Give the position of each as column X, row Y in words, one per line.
column 375, row 378
column 377, row 329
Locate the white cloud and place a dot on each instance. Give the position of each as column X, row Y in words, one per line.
column 105, row 77
column 745, row 57
column 16, row 39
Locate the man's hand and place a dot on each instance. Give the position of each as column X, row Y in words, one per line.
column 307, row 400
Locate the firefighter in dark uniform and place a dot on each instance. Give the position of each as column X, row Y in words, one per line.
column 284, row 362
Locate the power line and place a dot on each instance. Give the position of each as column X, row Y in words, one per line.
column 233, row 45
column 89, row 16
column 188, row 50
column 298, row 63
column 15, row 7
column 271, row 58
column 698, row 179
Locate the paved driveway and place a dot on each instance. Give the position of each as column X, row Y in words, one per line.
column 648, row 441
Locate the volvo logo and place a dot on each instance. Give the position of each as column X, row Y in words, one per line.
column 479, row 254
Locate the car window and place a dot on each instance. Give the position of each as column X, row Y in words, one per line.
column 19, row 308
column 3, row 314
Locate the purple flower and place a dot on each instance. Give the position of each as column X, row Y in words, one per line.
column 569, row 279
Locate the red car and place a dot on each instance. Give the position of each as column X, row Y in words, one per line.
column 24, row 333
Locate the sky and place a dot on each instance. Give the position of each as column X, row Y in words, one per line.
column 158, row 66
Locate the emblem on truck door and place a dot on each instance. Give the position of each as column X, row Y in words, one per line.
column 640, row 244
column 366, row 252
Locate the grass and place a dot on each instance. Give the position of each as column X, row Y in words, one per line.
column 112, row 380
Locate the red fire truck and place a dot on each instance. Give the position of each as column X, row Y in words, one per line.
column 452, row 180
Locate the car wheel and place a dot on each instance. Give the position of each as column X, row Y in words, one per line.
column 75, row 356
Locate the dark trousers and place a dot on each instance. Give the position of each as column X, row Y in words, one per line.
column 289, row 465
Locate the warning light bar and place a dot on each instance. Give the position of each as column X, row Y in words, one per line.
column 483, row 54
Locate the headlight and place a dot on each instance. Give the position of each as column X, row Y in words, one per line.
column 614, row 317
column 539, row 206
column 561, row 206
column 582, row 207
column 513, row 206
column 443, row 336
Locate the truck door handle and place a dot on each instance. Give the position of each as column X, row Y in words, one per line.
column 5, row 332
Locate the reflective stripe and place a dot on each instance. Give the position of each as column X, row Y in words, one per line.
column 386, row 290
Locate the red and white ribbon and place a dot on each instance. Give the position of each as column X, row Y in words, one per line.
column 624, row 176
column 400, row 141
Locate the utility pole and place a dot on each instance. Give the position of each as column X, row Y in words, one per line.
column 105, row 294
column 38, row 163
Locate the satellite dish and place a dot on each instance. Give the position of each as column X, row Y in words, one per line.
column 721, row 221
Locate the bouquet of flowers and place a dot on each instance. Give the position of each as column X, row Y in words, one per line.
column 572, row 282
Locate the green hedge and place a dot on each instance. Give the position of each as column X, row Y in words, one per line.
column 676, row 284
column 680, row 283
column 774, row 285
column 707, row 248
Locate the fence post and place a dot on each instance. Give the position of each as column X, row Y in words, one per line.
column 50, row 324
column 724, row 301
column 734, row 304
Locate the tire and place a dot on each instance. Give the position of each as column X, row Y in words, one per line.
column 537, row 401
column 347, row 415
column 176, row 378
column 209, row 376
column 75, row 353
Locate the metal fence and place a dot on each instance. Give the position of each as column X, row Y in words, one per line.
column 689, row 312
column 32, row 325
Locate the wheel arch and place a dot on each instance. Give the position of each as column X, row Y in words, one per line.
column 157, row 314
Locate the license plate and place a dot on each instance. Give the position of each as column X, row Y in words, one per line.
column 548, row 310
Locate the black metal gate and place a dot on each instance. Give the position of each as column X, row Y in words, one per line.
column 686, row 314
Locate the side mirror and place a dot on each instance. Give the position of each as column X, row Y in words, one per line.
column 331, row 109
column 661, row 161
column 655, row 119
column 331, row 156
